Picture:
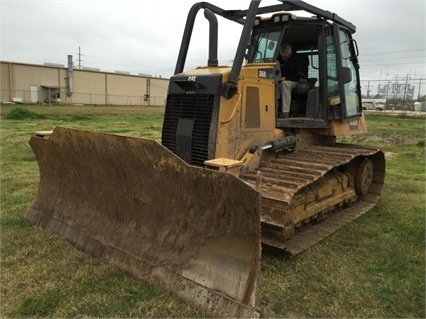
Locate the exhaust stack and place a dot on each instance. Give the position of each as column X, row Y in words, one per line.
column 213, row 35
column 70, row 77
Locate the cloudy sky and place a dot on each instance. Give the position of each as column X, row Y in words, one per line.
column 144, row 36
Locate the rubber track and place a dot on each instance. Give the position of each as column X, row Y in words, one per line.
column 284, row 177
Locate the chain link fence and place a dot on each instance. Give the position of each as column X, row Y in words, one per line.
column 58, row 96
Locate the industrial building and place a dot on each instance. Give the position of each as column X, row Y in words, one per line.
column 52, row 83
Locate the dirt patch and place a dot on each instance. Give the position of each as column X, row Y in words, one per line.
column 390, row 155
column 388, row 139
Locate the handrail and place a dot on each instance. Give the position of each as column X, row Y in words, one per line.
column 234, row 111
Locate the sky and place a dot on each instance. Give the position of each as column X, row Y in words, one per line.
column 143, row 37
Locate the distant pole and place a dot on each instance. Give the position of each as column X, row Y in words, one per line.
column 79, row 58
column 395, row 92
column 387, row 86
column 420, row 87
column 368, row 90
column 405, row 90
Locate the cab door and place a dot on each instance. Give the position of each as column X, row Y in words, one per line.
column 348, row 75
column 342, row 75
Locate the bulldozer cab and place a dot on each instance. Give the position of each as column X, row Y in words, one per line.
column 329, row 95
column 330, row 90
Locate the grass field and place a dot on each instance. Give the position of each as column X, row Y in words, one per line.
column 373, row 267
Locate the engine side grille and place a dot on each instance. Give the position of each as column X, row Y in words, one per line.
column 195, row 107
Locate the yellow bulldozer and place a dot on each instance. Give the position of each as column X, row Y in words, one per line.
column 191, row 214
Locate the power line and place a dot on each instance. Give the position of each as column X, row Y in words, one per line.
column 393, row 52
column 398, row 58
column 390, row 65
column 402, row 44
column 392, row 80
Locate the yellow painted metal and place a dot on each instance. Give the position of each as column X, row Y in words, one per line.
column 354, row 127
column 225, row 165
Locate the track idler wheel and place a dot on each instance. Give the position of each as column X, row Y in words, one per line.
column 364, row 176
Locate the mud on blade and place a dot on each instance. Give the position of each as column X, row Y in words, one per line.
column 131, row 202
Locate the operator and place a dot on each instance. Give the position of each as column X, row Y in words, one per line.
column 293, row 69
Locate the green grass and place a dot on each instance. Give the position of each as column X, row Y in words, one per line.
column 373, row 267
column 39, row 305
column 21, row 113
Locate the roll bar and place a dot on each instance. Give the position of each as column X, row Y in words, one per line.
column 246, row 18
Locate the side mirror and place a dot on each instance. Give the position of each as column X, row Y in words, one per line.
column 346, row 75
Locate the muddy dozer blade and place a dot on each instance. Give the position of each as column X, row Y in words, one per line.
column 188, row 230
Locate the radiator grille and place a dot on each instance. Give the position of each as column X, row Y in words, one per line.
column 189, row 106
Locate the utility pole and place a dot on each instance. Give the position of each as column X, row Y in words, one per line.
column 147, row 96
column 368, row 90
column 405, row 90
column 396, row 89
column 79, row 58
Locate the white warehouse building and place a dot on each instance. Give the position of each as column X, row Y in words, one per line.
column 50, row 83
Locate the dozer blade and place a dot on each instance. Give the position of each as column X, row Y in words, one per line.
column 129, row 201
